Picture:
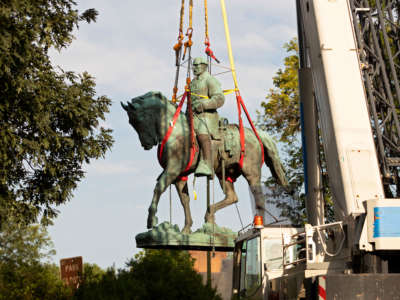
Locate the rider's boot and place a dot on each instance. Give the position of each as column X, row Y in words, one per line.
column 204, row 166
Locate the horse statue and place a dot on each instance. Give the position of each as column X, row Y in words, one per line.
column 151, row 115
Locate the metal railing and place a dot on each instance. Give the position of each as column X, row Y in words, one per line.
column 307, row 244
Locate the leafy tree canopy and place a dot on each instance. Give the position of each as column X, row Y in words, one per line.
column 49, row 118
column 280, row 116
column 154, row 274
column 22, row 244
column 24, row 274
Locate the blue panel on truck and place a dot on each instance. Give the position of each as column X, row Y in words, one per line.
column 386, row 221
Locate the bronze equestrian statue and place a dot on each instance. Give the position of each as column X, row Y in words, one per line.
column 151, row 115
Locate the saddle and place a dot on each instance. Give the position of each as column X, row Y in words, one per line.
column 225, row 142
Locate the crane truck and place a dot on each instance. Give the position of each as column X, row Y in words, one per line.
column 349, row 54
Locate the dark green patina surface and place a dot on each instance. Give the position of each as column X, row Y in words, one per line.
column 151, row 115
column 167, row 236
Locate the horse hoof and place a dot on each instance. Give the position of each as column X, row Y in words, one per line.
column 186, row 230
column 209, row 218
column 152, row 222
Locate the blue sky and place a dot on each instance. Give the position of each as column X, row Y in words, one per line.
column 129, row 51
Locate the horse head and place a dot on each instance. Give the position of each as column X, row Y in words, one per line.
column 144, row 115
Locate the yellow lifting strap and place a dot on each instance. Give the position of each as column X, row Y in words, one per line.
column 228, row 44
column 226, row 92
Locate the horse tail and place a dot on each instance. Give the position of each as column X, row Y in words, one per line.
column 272, row 160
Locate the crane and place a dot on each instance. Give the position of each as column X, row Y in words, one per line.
column 349, row 53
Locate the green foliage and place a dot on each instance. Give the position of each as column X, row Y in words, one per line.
column 34, row 282
column 154, row 274
column 23, row 274
column 282, row 109
column 92, row 273
column 22, row 245
column 281, row 118
column 49, row 118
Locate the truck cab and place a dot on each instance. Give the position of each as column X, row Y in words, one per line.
column 283, row 262
column 261, row 264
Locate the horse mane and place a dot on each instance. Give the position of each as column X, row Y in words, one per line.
column 143, row 99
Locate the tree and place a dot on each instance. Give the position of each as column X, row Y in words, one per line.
column 39, row 281
column 153, row 274
column 22, row 244
column 23, row 274
column 282, row 109
column 281, row 118
column 49, row 118
column 92, row 273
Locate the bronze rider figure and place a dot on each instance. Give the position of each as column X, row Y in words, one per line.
column 207, row 96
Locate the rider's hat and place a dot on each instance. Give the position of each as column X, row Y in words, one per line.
column 200, row 60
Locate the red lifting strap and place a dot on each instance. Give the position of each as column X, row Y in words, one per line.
column 193, row 149
column 240, row 104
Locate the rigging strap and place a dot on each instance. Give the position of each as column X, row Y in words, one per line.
column 206, row 19
column 226, row 92
column 189, row 32
column 193, row 148
column 181, row 16
column 178, row 51
column 239, row 100
column 208, row 50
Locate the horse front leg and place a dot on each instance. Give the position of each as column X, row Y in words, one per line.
column 164, row 180
column 230, row 198
column 182, row 189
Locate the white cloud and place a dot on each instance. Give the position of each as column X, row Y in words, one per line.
column 125, row 70
column 256, row 41
column 129, row 49
column 106, row 168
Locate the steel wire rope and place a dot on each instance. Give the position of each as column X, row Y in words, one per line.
column 170, row 205
column 325, row 248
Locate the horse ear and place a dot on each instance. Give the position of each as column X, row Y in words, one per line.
column 158, row 94
column 124, row 106
column 133, row 106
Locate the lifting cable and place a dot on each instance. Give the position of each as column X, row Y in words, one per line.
column 239, row 100
column 189, row 32
column 187, row 49
column 188, row 46
column 208, row 51
column 178, row 54
column 178, row 51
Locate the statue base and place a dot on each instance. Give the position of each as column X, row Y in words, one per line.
column 167, row 236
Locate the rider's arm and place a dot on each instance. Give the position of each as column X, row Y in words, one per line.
column 215, row 94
